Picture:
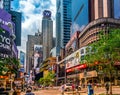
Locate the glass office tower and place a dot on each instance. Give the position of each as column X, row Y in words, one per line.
column 117, row 9
column 80, row 14
column 63, row 23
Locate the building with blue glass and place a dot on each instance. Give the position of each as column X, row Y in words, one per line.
column 80, row 15
column 63, row 23
column 117, row 9
column 16, row 18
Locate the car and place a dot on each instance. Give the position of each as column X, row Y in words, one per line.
column 68, row 87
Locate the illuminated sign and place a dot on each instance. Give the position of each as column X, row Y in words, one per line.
column 47, row 13
column 5, row 20
column 4, row 42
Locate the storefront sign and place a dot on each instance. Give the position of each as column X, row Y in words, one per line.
column 89, row 74
column 83, row 66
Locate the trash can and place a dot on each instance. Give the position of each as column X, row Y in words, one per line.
column 90, row 90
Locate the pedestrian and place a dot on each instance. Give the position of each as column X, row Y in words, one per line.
column 90, row 89
column 62, row 89
column 28, row 92
column 15, row 91
column 73, row 86
column 76, row 87
column 107, row 87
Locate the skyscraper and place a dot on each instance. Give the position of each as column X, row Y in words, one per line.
column 85, row 11
column 47, row 32
column 80, row 15
column 7, row 5
column 16, row 18
column 117, row 9
column 33, row 40
column 63, row 23
column 103, row 8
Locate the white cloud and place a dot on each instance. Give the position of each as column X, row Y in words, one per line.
column 33, row 17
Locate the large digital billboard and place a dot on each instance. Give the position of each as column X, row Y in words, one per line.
column 6, row 29
column 38, row 55
column 5, row 21
column 5, row 42
column 22, row 58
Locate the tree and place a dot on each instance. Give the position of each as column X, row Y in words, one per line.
column 106, row 51
column 9, row 65
column 47, row 80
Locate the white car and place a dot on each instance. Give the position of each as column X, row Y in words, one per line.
column 68, row 87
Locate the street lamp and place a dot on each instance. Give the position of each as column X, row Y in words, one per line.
column 57, row 67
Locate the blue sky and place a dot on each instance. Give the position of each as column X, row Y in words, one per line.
column 32, row 16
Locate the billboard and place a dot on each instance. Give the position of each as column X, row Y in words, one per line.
column 22, row 58
column 6, row 29
column 5, row 21
column 5, row 42
column 38, row 55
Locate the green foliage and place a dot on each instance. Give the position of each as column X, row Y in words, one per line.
column 106, row 48
column 47, row 80
column 106, row 51
column 9, row 65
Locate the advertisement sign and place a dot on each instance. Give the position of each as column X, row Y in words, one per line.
column 6, row 29
column 47, row 13
column 73, row 59
column 5, row 43
column 5, row 21
column 22, row 58
column 38, row 55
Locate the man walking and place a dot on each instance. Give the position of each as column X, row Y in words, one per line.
column 107, row 87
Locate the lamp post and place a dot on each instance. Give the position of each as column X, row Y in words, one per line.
column 57, row 67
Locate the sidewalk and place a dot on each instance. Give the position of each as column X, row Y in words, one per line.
column 97, row 91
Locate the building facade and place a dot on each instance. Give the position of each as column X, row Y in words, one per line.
column 103, row 16
column 16, row 18
column 32, row 41
column 63, row 23
column 8, row 47
column 47, row 32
